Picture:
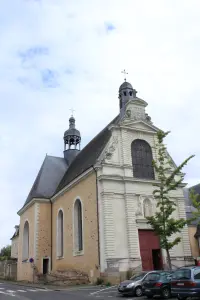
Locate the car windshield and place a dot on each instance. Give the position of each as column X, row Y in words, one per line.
column 182, row 274
column 138, row 276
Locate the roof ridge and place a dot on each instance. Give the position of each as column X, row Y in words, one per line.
column 95, row 137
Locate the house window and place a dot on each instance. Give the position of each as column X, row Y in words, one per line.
column 60, row 244
column 142, row 160
column 25, row 252
column 78, row 226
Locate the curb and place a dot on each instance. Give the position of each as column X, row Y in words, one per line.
column 25, row 285
column 56, row 289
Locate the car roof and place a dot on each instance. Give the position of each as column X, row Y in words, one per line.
column 159, row 271
column 188, row 267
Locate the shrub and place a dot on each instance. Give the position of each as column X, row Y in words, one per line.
column 99, row 281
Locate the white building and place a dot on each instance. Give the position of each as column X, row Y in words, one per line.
column 125, row 192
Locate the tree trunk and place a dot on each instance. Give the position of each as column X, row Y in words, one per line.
column 169, row 259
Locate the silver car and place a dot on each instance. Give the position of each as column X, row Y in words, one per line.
column 133, row 286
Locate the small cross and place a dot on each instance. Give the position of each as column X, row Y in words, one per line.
column 72, row 111
column 125, row 73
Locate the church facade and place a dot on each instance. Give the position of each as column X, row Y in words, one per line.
column 87, row 210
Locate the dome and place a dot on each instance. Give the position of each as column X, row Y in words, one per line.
column 71, row 119
column 125, row 85
column 72, row 131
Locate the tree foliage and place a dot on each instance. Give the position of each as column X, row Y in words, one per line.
column 163, row 223
column 195, row 199
column 5, row 253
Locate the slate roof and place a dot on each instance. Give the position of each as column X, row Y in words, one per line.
column 87, row 156
column 55, row 174
column 48, row 178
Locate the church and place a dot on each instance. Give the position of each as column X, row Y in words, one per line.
column 87, row 210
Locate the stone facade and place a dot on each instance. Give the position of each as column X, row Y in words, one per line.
column 14, row 247
column 40, row 216
column 121, row 199
column 114, row 204
column 87, row 260
column 193, row 241
column 24, row 268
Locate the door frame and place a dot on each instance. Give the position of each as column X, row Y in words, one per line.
column 46, row 257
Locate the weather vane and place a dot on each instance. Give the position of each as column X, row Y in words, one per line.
column 125, row 73
column 72, row 111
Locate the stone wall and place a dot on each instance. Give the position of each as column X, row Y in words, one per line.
column 8, row 269
column 87, row 261
column 64, row 277
column 14, row 247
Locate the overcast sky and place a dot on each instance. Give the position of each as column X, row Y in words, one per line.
column 59, row 54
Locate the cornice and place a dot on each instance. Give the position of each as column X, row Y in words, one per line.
column 122, row 178
column 29, row 204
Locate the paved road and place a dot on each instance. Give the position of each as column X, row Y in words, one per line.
column 8, row 291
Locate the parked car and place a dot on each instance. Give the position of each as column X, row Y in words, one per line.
column 157, row 283
column 185, row 283
column 133, row 286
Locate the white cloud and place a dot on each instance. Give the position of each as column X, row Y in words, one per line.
column 157, row 41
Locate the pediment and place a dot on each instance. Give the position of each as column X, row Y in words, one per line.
column 140, row 125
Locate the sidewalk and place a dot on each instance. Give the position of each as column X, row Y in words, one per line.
column 46, row 286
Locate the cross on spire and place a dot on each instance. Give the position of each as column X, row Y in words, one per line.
column 125, row 73
column 72, row 111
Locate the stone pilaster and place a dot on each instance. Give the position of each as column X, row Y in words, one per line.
column 109, row 235
column 36, row 232
column 184, row 232
column 132, row 231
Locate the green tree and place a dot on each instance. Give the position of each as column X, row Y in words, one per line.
column 5, row 253
column 195, row 199
column 162, row 222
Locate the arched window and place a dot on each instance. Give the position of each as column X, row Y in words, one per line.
column 147, row 207
column 60, row 244
column 78, row 226
column 25, row 251
column 142, row 160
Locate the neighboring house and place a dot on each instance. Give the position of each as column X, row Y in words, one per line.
column 14, row 243
column 193, row 228
column 87, row 210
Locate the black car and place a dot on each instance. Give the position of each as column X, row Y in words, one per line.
column 157, row 283
column 133, row 286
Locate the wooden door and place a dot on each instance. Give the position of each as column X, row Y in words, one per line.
column 148, row 242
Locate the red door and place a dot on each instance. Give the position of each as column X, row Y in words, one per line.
column 148, row 242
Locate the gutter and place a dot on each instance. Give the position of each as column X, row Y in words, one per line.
column 97, row 214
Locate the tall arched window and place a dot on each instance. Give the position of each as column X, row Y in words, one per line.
column 142, row 160
column 60, row 243
column 25, row 251
column 78, row 226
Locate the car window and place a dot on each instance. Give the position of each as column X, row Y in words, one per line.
column 182, row 274
column 138, row 276
column 152, row 277
column 197, row 274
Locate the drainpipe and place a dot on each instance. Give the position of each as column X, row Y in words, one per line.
column 51, row 235
column 97, row 214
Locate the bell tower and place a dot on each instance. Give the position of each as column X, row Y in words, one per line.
column 72, row 141
column 126, row 93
